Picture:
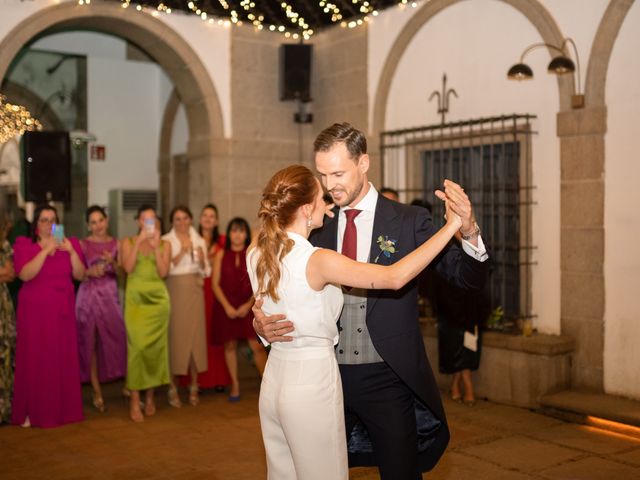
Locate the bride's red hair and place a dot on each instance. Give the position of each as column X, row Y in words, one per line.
column 286, row 192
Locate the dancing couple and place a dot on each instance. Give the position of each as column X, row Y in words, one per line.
column 360, row 391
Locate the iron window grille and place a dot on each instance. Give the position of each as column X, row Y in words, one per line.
column 491, row 159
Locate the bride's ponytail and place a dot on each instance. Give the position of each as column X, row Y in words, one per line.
column 285, row 193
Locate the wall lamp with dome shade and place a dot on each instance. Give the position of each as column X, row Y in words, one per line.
column 560, row 65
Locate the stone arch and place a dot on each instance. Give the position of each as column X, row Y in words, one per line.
column 539, row 17
column 165, row 46
column 601, row 49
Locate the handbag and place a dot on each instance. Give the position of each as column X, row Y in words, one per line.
column 470, row 340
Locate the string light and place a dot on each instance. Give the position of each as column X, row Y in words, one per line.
column 295, row 26
column 15, row 120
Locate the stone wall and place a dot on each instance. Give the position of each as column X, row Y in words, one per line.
column 265, row 136
column 514, row 370
column 339, row 85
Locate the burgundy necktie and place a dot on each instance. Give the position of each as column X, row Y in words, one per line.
column 350, row 239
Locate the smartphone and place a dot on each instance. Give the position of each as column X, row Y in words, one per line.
column 150, row 227
column 57, row 230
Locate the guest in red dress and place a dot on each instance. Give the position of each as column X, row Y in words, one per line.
column 232, row 289
column 217, row 375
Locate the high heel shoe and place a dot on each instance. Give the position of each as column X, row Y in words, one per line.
column 174, row 398
column 136, row 415
column 469, row 403
column 98, row 404
column 150, row 408
column 194, row 399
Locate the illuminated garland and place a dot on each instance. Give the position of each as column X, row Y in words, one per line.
column 15, row 120
column 300, row 26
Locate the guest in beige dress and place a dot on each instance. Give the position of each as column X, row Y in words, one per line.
column 187, row 327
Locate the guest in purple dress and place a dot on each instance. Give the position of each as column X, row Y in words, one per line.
column 47, row 377
column 102, row 340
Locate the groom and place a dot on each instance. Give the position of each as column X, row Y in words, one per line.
column 393, row 413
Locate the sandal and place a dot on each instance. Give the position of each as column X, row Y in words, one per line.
column 136, row 415
column 174, row 398
column 194, row 399
column 98, row 404
column 150, row 408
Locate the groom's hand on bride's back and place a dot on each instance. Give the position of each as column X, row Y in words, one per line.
column 273, row 328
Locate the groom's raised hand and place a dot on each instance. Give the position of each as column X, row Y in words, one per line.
column 272, row 328
column 459, row 202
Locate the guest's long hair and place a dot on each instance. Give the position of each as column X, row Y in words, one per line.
column 180, row 208
column 286, row 192
column 92, row 209
column 215, row 235
column 240, row 224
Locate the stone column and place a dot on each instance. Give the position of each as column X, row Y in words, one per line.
column 581, row 134
column 340, row 81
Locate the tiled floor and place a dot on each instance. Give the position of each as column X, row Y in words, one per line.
column 219, row 440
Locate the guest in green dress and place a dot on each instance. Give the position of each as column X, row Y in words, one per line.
column 145, row 258
column 7, row 329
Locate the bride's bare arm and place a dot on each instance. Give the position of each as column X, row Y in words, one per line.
column 326, row 266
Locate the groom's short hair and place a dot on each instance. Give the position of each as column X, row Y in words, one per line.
column 353, row 139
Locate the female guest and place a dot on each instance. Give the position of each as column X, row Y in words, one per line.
column 187, row 330
column 301, row 405
column 460, row 313
column 217, row 374
column 146, row 258
column 102, row 341
column 233, row 291
column 47, row 377
column 7, row 327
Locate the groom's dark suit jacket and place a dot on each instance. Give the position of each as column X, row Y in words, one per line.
column 392, row 319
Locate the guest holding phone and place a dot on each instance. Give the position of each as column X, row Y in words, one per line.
column 47, row 376
column 101, row 334
column 146, row 258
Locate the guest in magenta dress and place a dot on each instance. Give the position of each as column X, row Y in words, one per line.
column 232, row 289
column 47, row 376
column 102, row 340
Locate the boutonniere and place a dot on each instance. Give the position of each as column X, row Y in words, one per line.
column 387, row 247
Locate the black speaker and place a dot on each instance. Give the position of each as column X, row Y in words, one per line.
column 295, row 72
column 46, row 167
